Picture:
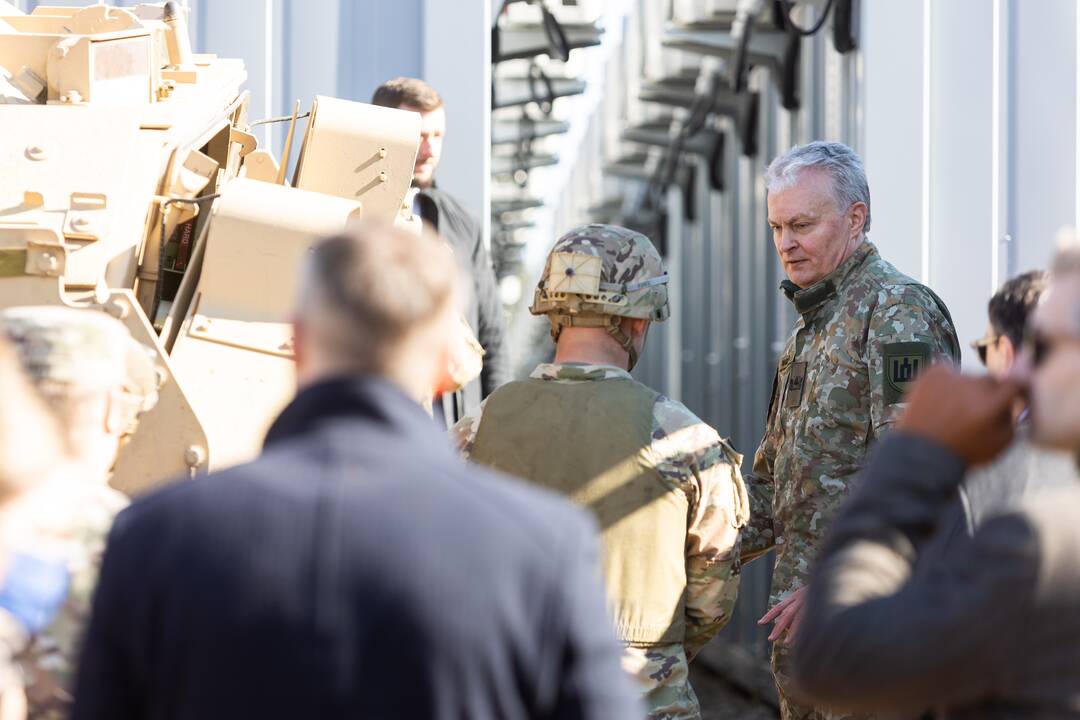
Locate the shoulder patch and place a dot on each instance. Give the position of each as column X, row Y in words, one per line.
column 903, row 362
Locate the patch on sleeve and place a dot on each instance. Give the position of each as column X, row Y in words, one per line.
column 903, row 363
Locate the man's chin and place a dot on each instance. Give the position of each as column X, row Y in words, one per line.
column 422, row 178
column 800, row 278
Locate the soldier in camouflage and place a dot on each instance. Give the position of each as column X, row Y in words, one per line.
column 664, row 487
column 864, row 333
column 95, row 379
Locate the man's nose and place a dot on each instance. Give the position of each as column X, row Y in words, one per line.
column 786, row 241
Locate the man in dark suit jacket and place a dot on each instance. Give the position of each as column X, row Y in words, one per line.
column 435, row 206
column 357, row 568
column 989, row 628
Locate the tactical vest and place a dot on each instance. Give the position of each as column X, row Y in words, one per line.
column 592, row 442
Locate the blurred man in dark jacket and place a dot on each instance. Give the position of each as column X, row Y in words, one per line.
column 991, row 629
column 437, row 207
column 357, row 569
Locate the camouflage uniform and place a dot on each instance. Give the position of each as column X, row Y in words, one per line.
column 625, row 280
column 862, row 335
column 75, row 533
column 66, row 353
column 706, row 469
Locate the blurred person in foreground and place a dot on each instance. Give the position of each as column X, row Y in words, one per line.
column 32, row 588
column 357, row 568
column 483, row 309
column 992, row 629
column 864, row 332
column 96, row 380
column 664, row 486
column 1023, row 468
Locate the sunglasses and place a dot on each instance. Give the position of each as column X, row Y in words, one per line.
column 982, row 344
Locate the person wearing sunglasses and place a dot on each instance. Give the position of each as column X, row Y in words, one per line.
column 992, row 628
column 1023, row 468
column 1008, row 311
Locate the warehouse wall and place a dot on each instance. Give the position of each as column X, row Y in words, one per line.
column 970, row 140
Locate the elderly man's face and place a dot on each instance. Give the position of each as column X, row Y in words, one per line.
column 1051, row 362
column 432, row 131
column 812, row 235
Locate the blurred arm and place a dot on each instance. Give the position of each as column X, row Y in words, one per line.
column 875, row 637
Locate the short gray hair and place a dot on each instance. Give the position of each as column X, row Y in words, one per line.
column 366, row 291
column 842, row 163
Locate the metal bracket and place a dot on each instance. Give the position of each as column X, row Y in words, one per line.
column 246, row 140
column 265, row 337
column 86, row 219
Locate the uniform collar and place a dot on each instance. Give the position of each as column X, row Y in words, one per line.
column 808, row 300
column 578, row 372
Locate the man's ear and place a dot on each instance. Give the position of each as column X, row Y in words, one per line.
column 635, row 327
column 1007, row 350
column 117, row 413
column 856, row 219
column 451, row 349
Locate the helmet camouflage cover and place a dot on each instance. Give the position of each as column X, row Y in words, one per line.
column 65, row 349
column 602, row 270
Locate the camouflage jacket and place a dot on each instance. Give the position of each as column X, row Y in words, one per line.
column 76, row 533
column 863, row 333
column 707, row 469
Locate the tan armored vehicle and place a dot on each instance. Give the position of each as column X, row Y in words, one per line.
column 131, row 183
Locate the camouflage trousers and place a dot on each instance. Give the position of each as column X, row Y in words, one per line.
column 663, row 674
column 789, row 709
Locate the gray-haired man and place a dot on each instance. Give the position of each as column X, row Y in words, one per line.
column 864, row 333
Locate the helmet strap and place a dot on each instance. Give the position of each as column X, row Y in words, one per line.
column 615, row 330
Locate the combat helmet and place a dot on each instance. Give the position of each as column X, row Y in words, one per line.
column 598, row 274
column 64, row 348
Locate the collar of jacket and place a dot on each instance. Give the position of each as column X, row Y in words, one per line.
column 809, row 300
column 364, row 399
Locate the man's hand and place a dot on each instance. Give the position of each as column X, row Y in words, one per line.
column 788, row 614
column 972, row 416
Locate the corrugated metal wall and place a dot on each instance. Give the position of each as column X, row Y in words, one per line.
column 970, row 140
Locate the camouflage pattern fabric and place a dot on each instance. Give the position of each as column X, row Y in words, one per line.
column 62, row 348
column 705, row 466
column 69, row 346
column 862, row 335
column 627, row 280
column 76, row 532
column 13, row 638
